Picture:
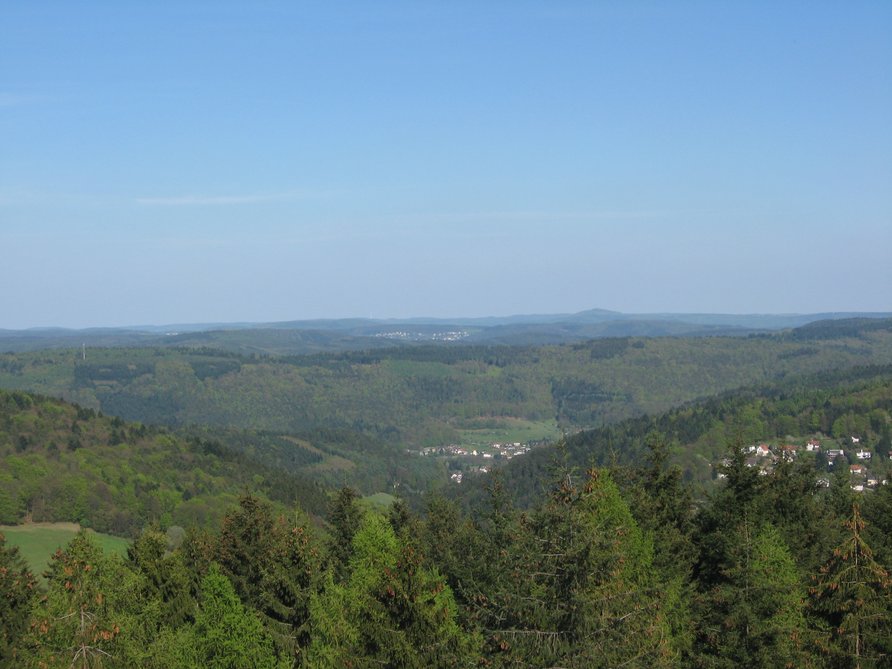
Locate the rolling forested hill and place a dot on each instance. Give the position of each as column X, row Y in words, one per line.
column 832, row 406
column 609, row 567
column 60, row 462
column 347, row 418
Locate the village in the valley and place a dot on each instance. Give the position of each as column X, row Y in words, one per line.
column 866, row 469
column 475, row 460
column 863, row 465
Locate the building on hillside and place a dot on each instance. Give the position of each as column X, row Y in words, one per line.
column 789, row 452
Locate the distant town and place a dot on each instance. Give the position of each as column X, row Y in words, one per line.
column 403, row 335
column 866, row 468
column 464, row 459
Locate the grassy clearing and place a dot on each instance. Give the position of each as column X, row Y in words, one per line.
column 38, row 541
column 380, row 500
column 510, row 430
column 332, row 463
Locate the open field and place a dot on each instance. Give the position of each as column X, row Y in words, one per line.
column 38, row 541
column 380, row 500
column 510, row 430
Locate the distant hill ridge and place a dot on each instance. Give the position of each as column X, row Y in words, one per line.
column 349, row 334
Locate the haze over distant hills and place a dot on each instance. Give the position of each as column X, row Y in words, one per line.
column 326, row 335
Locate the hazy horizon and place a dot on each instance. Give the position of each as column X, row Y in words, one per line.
column 229, row 162
column 444, row 319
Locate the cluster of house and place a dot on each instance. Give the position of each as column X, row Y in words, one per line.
column 449, row 335
column 765, row 457
column 504, row 451
column 458, row 476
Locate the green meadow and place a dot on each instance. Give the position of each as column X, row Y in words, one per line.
column 38, row 541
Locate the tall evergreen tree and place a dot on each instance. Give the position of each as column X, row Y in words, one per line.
column 662, row 505
column 589, row 596
column 272, row 565
column 93, row 615
column 17, row 592
column 226, row 634
column 390, row 611
column 344, row 518
column 852, row 595
column 164, row 576
column 755, row 617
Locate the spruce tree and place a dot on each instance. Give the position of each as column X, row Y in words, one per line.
column 272, row 565
column 755, row 617
column 852, row 595
column 226, row 634
column 165, row 577
column 391, row 610
column 589, row 595
column 344, row 518
column 94, row 614
column 17, row 592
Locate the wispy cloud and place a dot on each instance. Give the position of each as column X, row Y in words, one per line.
column 8, row 99
column 554, row 215
column 518, row 216
column 216, row 200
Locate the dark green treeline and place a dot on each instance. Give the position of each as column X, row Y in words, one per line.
column 613, row 568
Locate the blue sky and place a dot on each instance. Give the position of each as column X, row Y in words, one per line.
column 259, row 161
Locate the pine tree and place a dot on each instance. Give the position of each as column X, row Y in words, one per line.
column 165, row 577
column 589, row 595
column 390, row 611
column 272, row 565
column 93, row 614
column 245, row 545
column 344, row 518
column 226, row 634
column 852, row 595
column 17, row 592
column 755, row 617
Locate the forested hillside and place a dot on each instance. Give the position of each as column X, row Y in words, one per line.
column 606, row 568
column 548, row 562
column 60, row 462
column 834, row 405
column 433, row 395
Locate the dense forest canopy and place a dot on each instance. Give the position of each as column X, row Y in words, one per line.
column 657, row 539
column 348, row 417
column 618, row 565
